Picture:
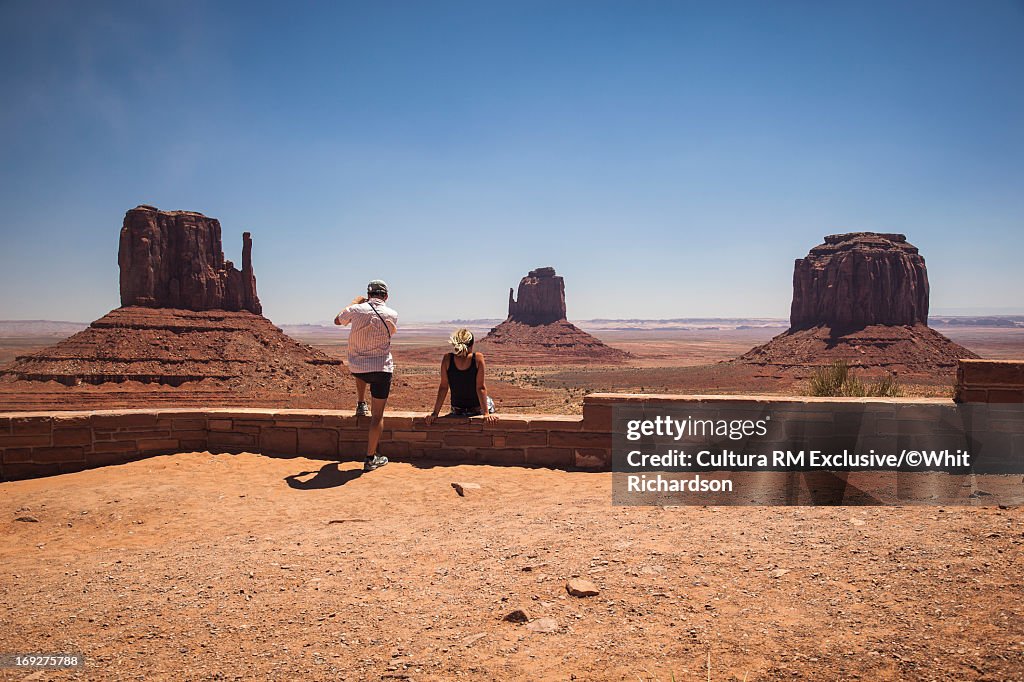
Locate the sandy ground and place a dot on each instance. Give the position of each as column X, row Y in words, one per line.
column 197, row 566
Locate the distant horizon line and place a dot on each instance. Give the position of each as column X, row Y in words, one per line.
column 1011, row 313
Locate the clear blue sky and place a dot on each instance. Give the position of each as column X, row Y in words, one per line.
column 670, row 159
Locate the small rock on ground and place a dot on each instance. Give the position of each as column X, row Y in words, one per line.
column 517, row 616
column 461, row 488
column 579, row 587
column 543, row 625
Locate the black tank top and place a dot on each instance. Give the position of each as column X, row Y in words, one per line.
column 462, row 383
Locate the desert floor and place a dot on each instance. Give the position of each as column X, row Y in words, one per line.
column 200, row 566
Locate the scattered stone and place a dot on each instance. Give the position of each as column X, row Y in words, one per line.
column 461, row 488
column 27, row 518
column 779, row 572
column 473, row 639
column 517, row 616
column 580, row 587
column 544, row 625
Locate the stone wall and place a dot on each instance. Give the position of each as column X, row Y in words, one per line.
column 47, row 443
column 990, row 381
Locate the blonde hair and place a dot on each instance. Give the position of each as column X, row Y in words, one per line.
column 461, row 341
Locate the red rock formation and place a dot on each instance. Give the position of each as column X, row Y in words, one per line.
column 541, row 298
column 859, row 279
column 190, row 331
column 536, row 330
column 172, row 347
column 889, row 349
column 174, row 259
column 861, row 298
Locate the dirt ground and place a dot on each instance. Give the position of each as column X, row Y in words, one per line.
column 200, row 566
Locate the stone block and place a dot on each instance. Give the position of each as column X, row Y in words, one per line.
column 409, row 435
column 162, row 445
column 16, row 455
column 550, row 457
column 101, row 459
column 224, row 441
column 278, row 441
column 18, row 472
column 72, row 436
column 36, row 440
column 123, row 420
column 31, row 426
column 526, row 438
column 505, row 456
column 579, row 440
column 479, row 440
column 66, row 454
column 597, row 417
column 318, row 442
column 114, row 446
column 593, row 458
column 188, row 425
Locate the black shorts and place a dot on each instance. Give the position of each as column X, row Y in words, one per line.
column 380, row 383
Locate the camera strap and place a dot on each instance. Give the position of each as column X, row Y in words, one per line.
column 386, row 328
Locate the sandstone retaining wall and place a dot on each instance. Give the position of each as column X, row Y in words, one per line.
column 46, row 443
column 990, row 381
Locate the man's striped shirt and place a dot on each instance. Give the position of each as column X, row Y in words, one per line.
column 369, row 344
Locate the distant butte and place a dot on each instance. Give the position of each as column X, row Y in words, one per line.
column 858, row 279
column 541, row 298
column 861, row 297
column 536, row 329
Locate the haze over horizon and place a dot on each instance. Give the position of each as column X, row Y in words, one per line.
column 670, row 160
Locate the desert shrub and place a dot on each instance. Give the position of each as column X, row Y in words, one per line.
column 888, row 387
column 839, row 381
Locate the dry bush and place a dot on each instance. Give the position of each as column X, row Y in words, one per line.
column 839, row 381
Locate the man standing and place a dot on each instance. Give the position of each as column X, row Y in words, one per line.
column 369, row 359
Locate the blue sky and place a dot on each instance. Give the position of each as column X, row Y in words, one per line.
column 670, row 159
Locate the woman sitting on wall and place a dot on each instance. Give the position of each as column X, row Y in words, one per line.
column 463, row 371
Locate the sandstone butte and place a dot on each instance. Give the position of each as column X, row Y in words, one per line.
column 189, row 320
column 174, row 259
column 537, row 331
column 861, row 297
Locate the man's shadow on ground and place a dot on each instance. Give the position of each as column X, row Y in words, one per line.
column 329, row 476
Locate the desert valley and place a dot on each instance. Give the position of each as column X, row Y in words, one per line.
column 231, row 561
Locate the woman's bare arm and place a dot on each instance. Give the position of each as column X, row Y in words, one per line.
column 442, row 391
column 481, row 388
